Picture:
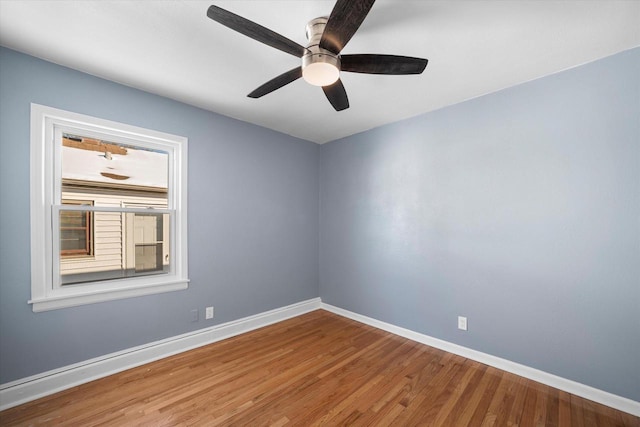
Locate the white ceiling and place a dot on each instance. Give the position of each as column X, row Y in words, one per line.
column 172, row 49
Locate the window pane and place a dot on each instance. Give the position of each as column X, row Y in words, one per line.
column 121, row 244
column 75, row 230
column 127, row 244
column 148, row 257
column 73, row 219
column 73, row 240
column 105, row 165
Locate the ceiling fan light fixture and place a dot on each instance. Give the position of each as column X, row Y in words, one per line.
column 320, row 73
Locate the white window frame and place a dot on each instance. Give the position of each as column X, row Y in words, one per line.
column 47, row 123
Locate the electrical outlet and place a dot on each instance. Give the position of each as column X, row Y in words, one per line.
column 194, row 315
column 209, row 313
column 462, row 323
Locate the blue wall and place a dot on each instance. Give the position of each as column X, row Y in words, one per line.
column 518, row 209
column 253, row 221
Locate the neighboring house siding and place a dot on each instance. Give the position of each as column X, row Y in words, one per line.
column 109, row 231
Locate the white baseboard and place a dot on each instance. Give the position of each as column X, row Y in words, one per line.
column 585, row 391
column 46, row 383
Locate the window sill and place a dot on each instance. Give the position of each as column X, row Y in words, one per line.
column 55, row 302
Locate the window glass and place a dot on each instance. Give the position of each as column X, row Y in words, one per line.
column 125, row 244
column 76, row 234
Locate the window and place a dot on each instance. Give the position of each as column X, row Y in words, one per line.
column 108, row 210
column 75, row 230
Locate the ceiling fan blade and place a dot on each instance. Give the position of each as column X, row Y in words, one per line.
column 255, row 31
column 344, row 21
column 337, row 95
column 276, row 83
column 382, row 64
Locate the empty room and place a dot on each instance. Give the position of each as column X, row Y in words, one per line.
column 323, row 212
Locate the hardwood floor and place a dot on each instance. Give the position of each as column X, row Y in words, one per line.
column 315, row 369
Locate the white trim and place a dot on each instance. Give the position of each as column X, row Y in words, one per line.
column 582, row 390
column 45, row 197
column 64, row 301
column 40, row 385
column 125, row 209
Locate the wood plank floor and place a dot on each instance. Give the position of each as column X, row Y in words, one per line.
column 315, row 369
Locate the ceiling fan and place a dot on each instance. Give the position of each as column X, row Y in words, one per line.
column 321, row 58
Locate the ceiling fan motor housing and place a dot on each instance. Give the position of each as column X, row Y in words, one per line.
column 320, row 67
